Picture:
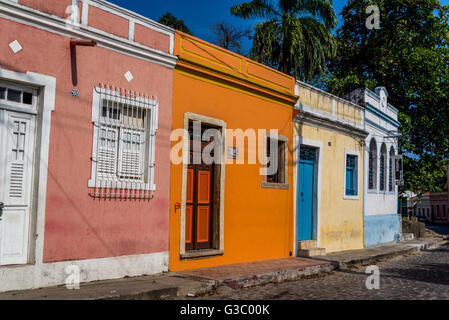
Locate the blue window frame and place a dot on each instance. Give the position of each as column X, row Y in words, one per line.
column 351, row 176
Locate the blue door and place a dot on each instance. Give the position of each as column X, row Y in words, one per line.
column 306, row 179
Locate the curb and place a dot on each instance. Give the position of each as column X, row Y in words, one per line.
column 340, row 265
column 410, row 249
column 277, row 276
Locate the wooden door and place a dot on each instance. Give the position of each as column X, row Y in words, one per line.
column 199, row 200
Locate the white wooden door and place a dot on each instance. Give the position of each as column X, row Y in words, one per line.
column 17, row 139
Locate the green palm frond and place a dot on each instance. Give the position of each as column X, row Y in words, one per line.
column 297, row 37
column 255, row 9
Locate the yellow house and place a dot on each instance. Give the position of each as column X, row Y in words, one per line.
column 329, row 149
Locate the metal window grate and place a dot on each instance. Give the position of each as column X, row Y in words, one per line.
column 390, row 174
column 382, row 172
column 124, row 142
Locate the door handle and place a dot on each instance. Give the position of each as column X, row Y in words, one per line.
column 177, row 206
column 2, row 205
column 302, row 196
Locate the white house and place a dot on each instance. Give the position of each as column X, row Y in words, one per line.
column 382, row 222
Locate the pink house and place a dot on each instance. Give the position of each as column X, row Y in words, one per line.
column 85, row 121
column 434, row 207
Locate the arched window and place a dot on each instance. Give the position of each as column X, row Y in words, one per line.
column 383, row 167
column 372, row 175
column 391, row 170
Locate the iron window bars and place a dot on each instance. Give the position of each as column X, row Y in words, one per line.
column 123, row 161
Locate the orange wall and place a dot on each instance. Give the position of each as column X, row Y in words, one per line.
column 258, row 223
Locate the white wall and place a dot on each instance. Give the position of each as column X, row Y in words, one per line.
column 380, row 202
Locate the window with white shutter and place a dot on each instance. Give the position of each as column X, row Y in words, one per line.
column 125, row 125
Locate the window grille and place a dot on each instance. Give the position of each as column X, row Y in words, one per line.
column 371, row 170
column 390, row 174
column 382, row 172
column 125, row 126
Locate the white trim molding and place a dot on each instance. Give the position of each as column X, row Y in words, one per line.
column 32, row 17
column 147, row 160
column 188, row 116
column 46, row 85
column 54, row 274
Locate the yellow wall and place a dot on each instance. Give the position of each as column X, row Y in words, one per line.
column 341, row 220
column 314, row 98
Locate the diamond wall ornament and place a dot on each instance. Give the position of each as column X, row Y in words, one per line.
column 129, row 76
column 15, row 46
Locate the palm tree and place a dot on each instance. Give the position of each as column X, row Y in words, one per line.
column 296, row 36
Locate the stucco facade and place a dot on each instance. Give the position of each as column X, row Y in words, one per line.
column 69, row 223
column 252, row 220
column 433, row 206
column 334, row 129
column 382, row 223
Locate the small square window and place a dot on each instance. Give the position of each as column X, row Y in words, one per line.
column 27, row 98
column 14, row 95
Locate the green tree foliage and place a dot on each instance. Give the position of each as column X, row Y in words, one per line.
column 170, row 20
column 295, row 36
column 229, row 36
column 409, row 56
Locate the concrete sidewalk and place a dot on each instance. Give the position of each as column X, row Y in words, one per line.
column 201, row 281
column 371, row 255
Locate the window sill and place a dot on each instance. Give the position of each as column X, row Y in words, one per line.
column 201, row 254
column 271, row 185
column 346, row 197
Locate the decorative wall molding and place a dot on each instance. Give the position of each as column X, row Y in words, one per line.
column 32, row 17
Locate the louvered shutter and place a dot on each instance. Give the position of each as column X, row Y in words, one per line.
column 131, row 154
column 107, row 152
column 17, row 160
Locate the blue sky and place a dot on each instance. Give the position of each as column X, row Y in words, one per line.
column 199, row 15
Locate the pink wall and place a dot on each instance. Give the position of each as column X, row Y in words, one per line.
column 108, row 22
column 151, row 38
column 77, row 226
column 54, row 7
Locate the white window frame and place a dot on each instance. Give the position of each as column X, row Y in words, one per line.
column 150, row 146
column 20, row 106
column 357, row 154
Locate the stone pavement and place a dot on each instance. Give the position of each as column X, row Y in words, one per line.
column 203, row 281
column 422, row 275
column 370, row 255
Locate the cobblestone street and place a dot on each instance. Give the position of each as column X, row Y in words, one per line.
column 414, row 277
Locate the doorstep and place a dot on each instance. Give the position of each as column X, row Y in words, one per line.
column 244, row 275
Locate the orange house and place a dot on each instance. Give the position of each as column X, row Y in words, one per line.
column 229, row 210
